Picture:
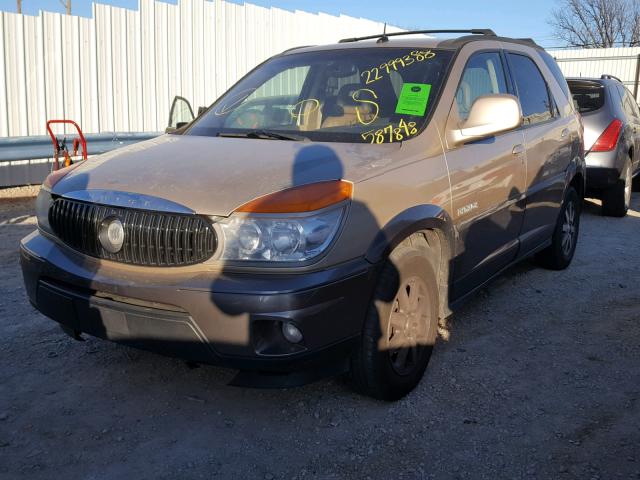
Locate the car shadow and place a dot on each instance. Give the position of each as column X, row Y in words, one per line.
column 325, row 323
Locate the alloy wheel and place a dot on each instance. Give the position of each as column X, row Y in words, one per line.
column 628, row 184
column 407, row 328
column 569, row 228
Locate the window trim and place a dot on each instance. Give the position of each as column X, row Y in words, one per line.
column 554, row 110
column 550, row 62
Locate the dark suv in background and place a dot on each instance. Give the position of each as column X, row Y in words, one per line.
column 611, row 139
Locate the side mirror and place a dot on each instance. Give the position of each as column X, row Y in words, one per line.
column 489, row 115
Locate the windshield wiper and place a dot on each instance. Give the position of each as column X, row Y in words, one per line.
column 262, row 134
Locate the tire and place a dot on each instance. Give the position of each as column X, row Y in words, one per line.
column 559, row 254
column 401, row 324
column 617, row 198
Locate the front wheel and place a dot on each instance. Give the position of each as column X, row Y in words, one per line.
column 559, row 254
column 401, row 325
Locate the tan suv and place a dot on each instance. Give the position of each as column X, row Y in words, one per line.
column 323, row 214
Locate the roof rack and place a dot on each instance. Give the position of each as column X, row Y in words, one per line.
column 606, row 76
column 384, row 36
column 527, row 40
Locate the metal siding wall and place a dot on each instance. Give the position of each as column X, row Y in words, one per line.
column 119, row 70
column 620, row 62
column 134, row 72
column 4, row 106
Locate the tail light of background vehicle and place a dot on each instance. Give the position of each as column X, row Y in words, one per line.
column 609, row 138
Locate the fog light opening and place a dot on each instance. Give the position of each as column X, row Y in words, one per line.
column 291, row 332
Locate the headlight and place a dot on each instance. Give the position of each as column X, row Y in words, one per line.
column 43, row 202
column 279, row 238
column 293, row 225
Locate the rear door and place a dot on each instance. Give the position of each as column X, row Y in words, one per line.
column 548, row 137
column 487, row 181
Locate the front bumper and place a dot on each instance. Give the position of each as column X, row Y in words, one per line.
column 223, row 318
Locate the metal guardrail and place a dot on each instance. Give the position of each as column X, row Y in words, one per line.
column 31, row 148
column 25, row 160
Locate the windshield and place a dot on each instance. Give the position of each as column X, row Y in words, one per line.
column 376, row 95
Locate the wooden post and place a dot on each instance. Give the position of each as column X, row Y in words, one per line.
column 635, row 85
column 19, row 6
column 67, row 5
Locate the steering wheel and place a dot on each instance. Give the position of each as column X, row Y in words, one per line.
column 250, row 119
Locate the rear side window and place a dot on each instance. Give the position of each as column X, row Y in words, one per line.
column 587, row 96
column 633, row 103
column 628, row 102
column 483, row 75
column 556, row 72
column 532, row 90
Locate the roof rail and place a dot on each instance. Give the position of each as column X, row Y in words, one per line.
column 610, row 77
column 473, row 31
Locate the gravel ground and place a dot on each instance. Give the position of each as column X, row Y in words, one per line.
column 19, row 192
column 538, row 376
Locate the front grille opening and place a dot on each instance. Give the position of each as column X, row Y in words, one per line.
column 150, row 238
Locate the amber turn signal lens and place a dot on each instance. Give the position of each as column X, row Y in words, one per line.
column 305, row 198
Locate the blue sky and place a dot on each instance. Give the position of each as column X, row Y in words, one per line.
column 506, row 17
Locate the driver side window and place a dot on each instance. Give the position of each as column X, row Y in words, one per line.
column 483, row 75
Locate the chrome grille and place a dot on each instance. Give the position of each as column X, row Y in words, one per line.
column 150, row 238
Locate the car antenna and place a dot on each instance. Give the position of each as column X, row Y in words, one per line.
column 384, row 37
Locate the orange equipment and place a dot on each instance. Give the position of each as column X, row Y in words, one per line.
column 60, row 145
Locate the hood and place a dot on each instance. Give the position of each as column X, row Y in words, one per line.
column 214, row 176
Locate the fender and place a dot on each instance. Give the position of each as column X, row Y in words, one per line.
column 575, row 167
column 412, row 220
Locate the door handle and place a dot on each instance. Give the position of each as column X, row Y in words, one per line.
column 518, row 149
column 564, row 133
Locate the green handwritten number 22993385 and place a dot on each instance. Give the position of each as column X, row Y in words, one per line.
column 390, row 133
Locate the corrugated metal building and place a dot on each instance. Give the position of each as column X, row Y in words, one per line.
column 119, row 70
column 623, row 63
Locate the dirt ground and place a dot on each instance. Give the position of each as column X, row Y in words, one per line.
column 538, row 376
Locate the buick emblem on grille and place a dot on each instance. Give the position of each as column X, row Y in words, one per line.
column 111, row 234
